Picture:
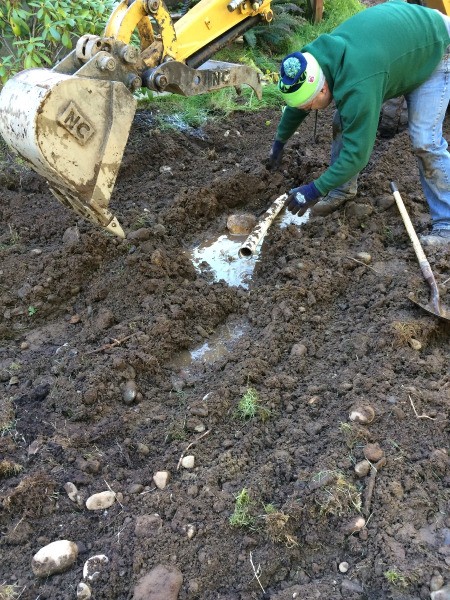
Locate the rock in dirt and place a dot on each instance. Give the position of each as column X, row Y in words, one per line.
column 190, row 531
column 343, row 567
column 415, row 344
column 364, row 257
column 162, row 583
column 83, row 591
column 54, row 558
column 298, row 350
column 241, row 224
column 442, row 594
column 362, row 468
column 147, row 525
column 188, row 461
column 436, row 582
column 362, row 414
column 140, row 235
column 129, row 392
column 359, row 211
column 71, row 236
column 71, row 491
column 101, row 500
column 161, row 479
column 105, row 319
column 384, row 202
column 354, row 525
column 373, row 452
column 93, row 567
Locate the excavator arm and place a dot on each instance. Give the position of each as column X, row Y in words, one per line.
column 71, row 123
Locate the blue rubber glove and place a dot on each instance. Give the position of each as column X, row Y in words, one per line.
column 276, row 155
column 301, row 198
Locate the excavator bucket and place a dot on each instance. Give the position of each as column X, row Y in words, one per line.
column 72, row 131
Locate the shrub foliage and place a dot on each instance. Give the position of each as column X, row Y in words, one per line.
column 35, row 33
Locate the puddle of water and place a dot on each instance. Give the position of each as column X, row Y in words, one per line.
column 222, row 254
column 216, row 347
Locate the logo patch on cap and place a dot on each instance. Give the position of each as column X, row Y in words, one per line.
column 311, row 78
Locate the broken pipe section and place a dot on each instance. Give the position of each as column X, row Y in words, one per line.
column 248, row 248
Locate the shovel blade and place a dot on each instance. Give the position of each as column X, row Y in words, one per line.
column 437, row 311
column 72, row 131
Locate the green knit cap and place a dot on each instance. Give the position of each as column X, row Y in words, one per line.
column 301, row 78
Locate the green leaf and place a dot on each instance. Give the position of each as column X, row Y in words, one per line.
column 28, row 63
column 55, row 34
column 23, row 26
column 65, row 40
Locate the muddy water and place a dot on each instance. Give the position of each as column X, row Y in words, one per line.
column 219, row 345
column 221, row 254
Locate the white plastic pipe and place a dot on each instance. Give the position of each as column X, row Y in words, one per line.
column 259, row 231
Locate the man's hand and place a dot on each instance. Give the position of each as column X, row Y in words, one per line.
column 276, row 155
column 301, row 198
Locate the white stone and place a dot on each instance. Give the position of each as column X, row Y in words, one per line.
column 93, row 566
column 161, row 479
column 188, row 461
column 362, row 414
column 71, row 235
column 83, row 591
column 364, row 257
column 362, row 468
column 415, row 344
column 129, row 392
column 71, row 490
column 101, row 500
column 54, row 558
column 343, row 567
column 442, row 594
column 190, row 531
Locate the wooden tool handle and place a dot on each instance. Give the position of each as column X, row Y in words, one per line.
column 423, row 261
column 408, row 224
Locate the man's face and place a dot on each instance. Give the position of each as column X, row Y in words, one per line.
column 322, row 100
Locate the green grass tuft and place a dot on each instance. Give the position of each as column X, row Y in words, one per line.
column 241, row 516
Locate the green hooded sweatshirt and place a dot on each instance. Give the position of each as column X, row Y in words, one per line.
column 382, row 52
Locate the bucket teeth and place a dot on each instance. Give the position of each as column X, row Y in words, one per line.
column 98, row 216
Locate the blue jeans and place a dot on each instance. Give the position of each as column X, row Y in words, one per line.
column 427, row 106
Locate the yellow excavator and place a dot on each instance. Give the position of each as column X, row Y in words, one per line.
column 71, row 123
